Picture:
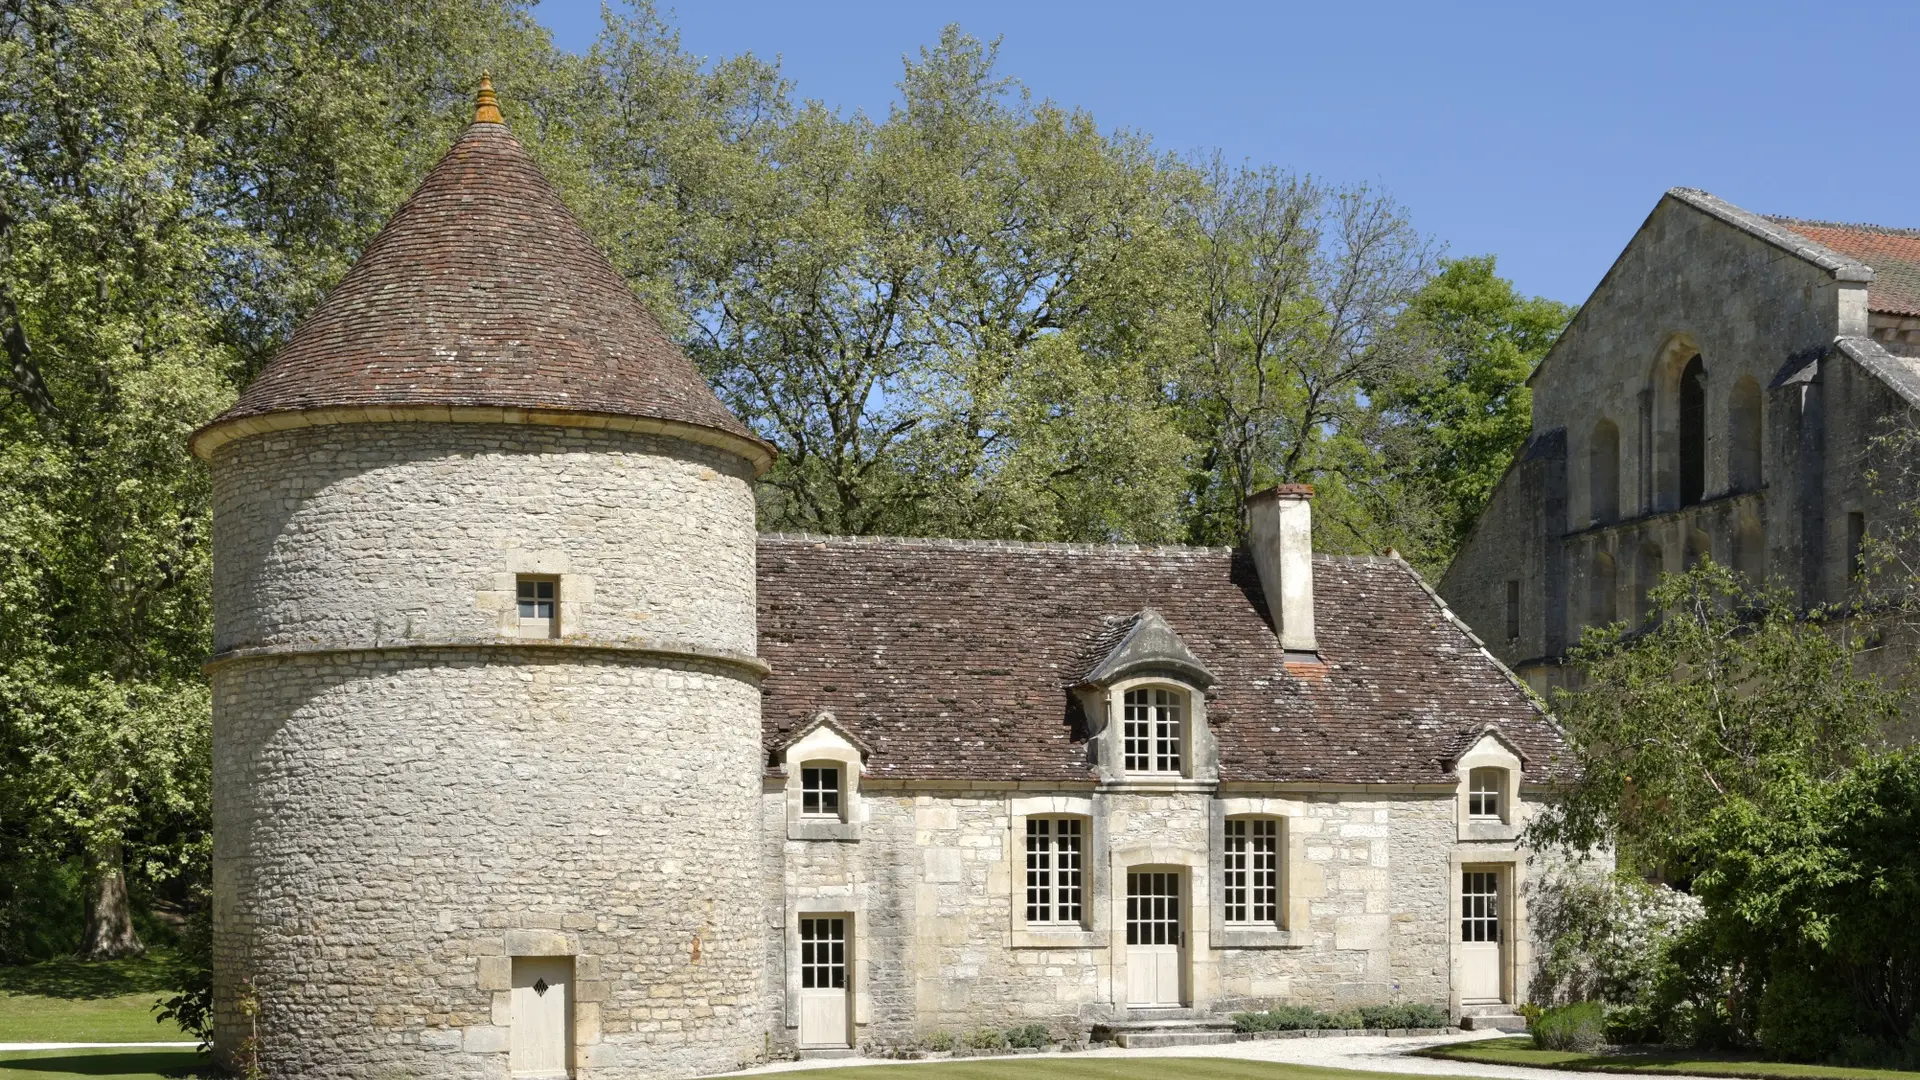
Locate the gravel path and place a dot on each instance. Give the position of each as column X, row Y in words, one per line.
column 1371, row 1053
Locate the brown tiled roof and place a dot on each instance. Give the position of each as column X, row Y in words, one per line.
column 953, row 660
column 1894, row 255
column 483, row 290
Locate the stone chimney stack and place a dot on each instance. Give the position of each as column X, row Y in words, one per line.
column 1280, row 532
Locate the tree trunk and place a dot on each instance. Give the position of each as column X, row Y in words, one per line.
column 109, row 934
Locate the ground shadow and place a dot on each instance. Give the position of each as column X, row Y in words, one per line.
column 155, row 973
column 170, row 1063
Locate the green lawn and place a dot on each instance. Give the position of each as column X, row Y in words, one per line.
column 1053, row 1067
column 74, row 1001
column 118, row 1064
column 1520, row 1051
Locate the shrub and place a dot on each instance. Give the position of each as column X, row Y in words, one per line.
column 1405, row 1015
column 1029, row 1035
column 987, row 1039
column 1283, row 1018
column 1631, row 1024
column 1801, row 1017
column 1580, row 1026
column 939, row 1041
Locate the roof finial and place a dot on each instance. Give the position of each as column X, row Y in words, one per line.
column 486, row 107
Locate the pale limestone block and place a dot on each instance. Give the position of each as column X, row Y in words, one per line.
column 1361, row 932
column 943, row 864
column 494, row 973
column 486, row 1039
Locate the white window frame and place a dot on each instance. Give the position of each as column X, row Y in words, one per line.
column 823, row 747
column 537, row 625
column 1086, row 933
column 1056, row 870
column 1490, row 751
column 1252, row 851
column 1153, row 731
column 1486, row 793
column 818, row 794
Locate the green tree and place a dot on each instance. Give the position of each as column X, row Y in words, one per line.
column 1298, row 289
column 177, row 181
column 1463, row 412
column 1726, row 696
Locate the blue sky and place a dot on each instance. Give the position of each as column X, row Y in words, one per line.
column 1542, row 132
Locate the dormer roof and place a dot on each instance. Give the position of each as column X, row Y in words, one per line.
column 484, row 298
column 1139, row 643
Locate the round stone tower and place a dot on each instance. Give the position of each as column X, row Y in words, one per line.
column 486, row 704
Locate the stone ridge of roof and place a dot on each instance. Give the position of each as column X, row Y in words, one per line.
column 483, row 298
column 1050, row 546
column 1900, row 374
column 1842, row 267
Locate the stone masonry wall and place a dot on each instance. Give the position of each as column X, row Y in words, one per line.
column 406, row 796
column 934, row 876
column 383, row 827
column 362, row 534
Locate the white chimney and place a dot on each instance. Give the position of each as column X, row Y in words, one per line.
column 1280, row 532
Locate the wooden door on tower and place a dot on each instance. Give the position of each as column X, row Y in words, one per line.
column 1481, row 940
column 1156, row 939
column 823, row 982
column 540, row 1038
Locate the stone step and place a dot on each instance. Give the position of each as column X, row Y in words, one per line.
column 1137, row 1039
column 1166, row 1031
column 1494, row 1022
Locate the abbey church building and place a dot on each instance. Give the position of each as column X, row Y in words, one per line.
column 533, row 759
column 1719, row 395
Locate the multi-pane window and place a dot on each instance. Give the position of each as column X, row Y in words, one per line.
column 1054, row 870
column 820, row 790
column 823, row 953
column 1480, row 905
column 1153, row 908
column 1252, row 863
column 1483, row 793
column 539, row 598
column 1151, row 731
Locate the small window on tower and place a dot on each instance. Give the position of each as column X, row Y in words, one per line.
column 1513, row 609
column 539, row 599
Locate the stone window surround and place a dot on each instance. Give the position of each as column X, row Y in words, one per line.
column 1199, row 757
column 1093, row 874
column 1516, row 948
column 574, row 594
column 1292, row 850
column 846, row 903
column 1198, row 895
column 1490, row 751
column 493, row 973
column 823, row 745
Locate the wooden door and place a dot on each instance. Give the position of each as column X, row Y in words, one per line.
column 1156, row 940
column 540, row 1042
column 823, row 982
column 1481, row 940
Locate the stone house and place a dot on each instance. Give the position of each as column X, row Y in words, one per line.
column 1719, row 394
column 532, row 759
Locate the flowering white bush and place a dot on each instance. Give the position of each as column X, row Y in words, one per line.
column 1601, row 938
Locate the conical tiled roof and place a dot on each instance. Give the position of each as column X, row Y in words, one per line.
column 482, row 294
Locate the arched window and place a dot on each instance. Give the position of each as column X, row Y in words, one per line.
column 1603, row 472
column 1750, row 551
column 1693, row 431
column 1743, row 436
column 1153, row 738
column 1699, row 548
column 1646, row 576
column 1602, row 589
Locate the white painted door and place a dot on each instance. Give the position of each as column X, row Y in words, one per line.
column 540, row 1040
column 1480, row 938
column 1156, row 942
column 823, row 982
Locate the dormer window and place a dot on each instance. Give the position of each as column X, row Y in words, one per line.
column 539, row 599
column 1153, row 734
column 1484, row 787
column 820, row 791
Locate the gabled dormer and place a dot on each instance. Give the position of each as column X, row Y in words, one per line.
column 1144, row 695
column 823, row 762
column 1488, row 770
